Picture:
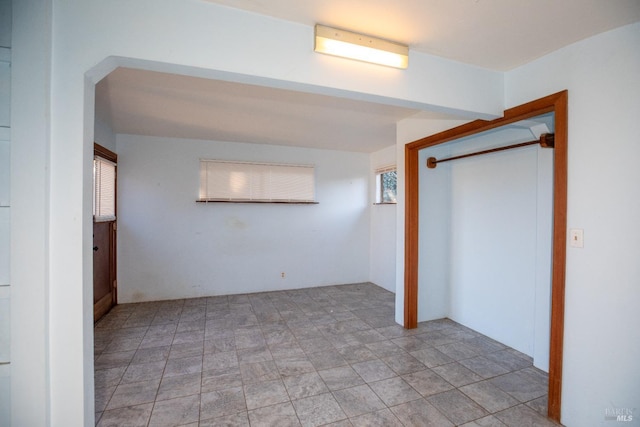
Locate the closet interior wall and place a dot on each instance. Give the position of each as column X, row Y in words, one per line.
column 486, row 237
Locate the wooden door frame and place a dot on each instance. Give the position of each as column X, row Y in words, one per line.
column 557, row 104
column 102, row 305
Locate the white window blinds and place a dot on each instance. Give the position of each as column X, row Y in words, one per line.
column 104, row 190
column 256, row 182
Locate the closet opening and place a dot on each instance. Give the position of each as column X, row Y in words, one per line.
column 417, row 268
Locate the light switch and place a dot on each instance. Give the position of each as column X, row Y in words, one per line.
column 577, row 237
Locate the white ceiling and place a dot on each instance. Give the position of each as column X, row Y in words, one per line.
column 159, row 104
column 493, row 34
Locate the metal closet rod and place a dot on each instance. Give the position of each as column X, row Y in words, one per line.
column 546, row 141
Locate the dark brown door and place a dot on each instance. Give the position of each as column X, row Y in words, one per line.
column 105, row 293
column 104, row 290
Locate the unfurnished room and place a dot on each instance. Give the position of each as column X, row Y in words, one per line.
column 318, row 213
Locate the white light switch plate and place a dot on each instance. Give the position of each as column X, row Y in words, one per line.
column 576, row 235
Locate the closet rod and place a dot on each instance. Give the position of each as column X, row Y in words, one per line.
column 546, row 141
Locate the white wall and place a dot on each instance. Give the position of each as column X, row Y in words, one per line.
column 601, row 339
column 103, row 134
column 5, row 211
column 382, row 250
column 543, row 259
column 169, row 246
column 30, row 255
column 434, row 234
column 494, row 240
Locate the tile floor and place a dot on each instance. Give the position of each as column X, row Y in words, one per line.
column 322, row 356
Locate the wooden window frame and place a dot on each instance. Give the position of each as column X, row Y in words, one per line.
column 105, row 153
column 558, row 104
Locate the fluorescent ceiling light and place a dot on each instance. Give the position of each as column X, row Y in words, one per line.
column 346, row 44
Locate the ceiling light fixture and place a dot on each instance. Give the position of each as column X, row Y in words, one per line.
column 346, row 44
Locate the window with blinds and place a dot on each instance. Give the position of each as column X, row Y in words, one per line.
column 104, row 190
column 225, row 181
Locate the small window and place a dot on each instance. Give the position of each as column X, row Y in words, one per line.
column 224, row 181
column 386, row 185
column 104, row 190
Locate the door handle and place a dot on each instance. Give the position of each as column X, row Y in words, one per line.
column 95, row 249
